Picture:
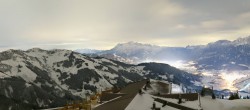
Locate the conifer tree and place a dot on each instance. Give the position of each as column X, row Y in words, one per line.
column 203, row 91
column 213, row 96
column 231, row 97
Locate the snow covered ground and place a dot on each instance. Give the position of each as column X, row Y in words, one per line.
column 145, row 102
column 222, row 104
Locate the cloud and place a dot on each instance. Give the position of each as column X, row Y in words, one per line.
column 245, row 15
column 213, row 24
column 166, row 9
column 102, row 24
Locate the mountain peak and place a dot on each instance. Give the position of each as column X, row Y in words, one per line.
column 242, row 41
column 133, row 47
column 87, row 51
column 35, row 50
column 129, row 43
column 133, row 43
column 220, row 42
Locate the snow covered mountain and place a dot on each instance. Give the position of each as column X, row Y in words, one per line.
column 39, row 78
column 87, row 51
column 222, row 54
column 134, row 53
column 242, row 41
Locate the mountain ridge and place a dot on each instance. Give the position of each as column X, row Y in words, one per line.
column 39, row 78
column 227, row 52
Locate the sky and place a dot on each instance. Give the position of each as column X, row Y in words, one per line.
column 101, row 24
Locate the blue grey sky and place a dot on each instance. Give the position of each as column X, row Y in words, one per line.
column 101, row 24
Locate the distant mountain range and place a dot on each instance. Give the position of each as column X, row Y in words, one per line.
column 87, row 51
column 222, row 54
column 39, row 78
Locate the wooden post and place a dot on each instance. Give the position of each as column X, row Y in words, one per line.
column 199, row 97
column 170, row 88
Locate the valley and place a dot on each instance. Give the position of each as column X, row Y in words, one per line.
column 221, row 64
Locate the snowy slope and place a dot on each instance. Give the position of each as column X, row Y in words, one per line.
column 39, row 78
column 145, row 102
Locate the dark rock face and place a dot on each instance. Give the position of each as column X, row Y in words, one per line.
column 18, row 96
column 83, row 75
